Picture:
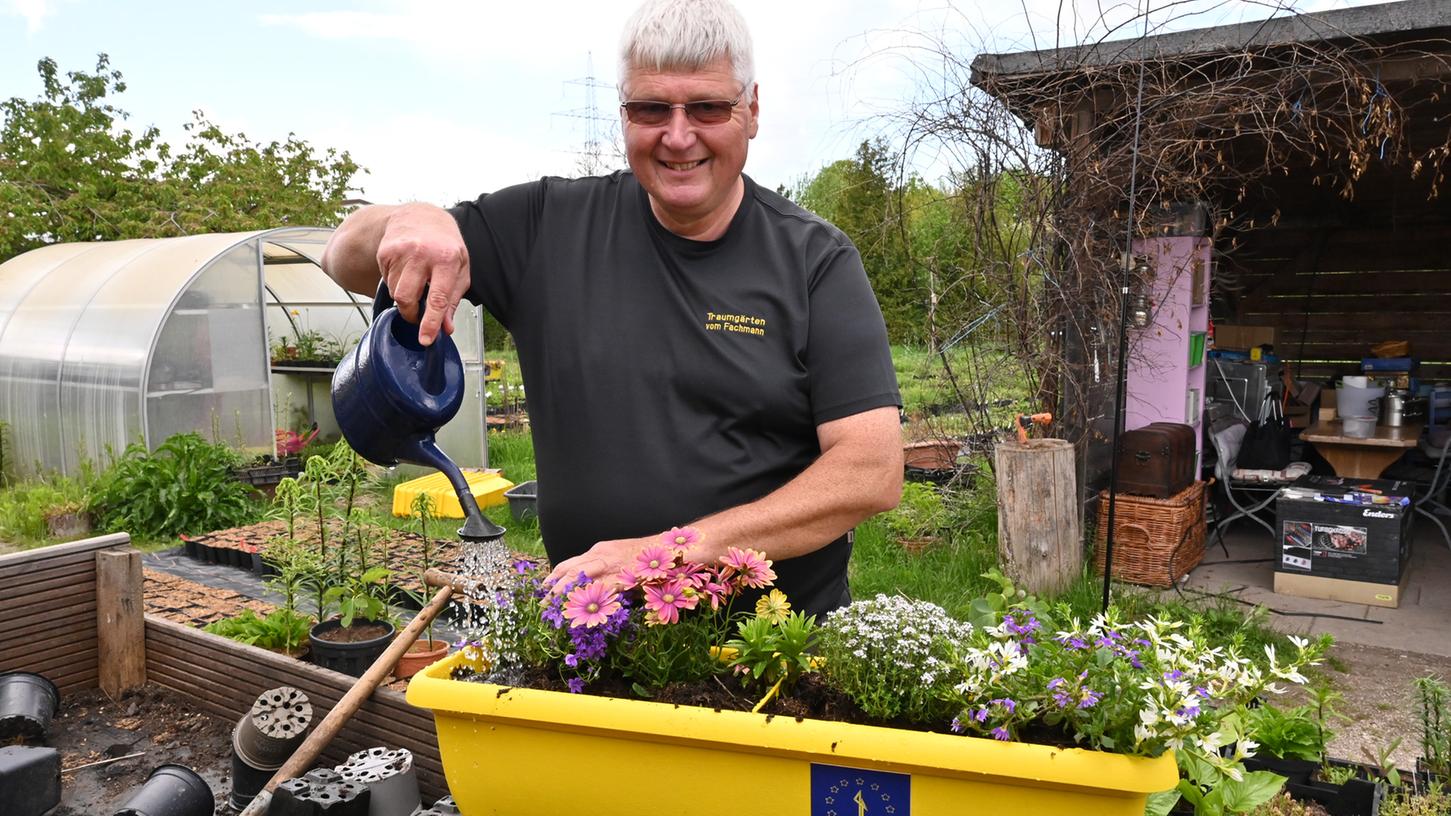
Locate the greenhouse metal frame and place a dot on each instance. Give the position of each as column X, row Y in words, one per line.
column 109, row 343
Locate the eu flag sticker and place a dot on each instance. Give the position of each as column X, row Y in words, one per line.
column 840, row 791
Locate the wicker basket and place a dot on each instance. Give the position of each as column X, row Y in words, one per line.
column 1156, row 540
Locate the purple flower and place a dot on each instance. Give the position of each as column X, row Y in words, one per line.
column 956, row 726
column 1202, row 692
column 571, row 660
column 1188, row 712
column 1029, row 626
column 576, row 685
column 980, row 715
column 522, row 566
column 1088, row 698
column 1072, row 642
column 1001, row 733
column 1055, row 683
column 1173, row 676
column 1007, row 704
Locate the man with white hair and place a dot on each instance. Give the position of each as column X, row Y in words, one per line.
column 697, row 350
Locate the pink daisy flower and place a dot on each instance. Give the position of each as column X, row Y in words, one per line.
column 653, row 563
column 629, row 578
column 664, row 601
column 591, row 604
column 714, row 591
column 747, row 568
column 680, row 538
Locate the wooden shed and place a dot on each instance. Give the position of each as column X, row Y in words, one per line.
column 1318, row 148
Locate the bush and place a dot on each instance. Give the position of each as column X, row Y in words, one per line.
column 24, row 507
column 185, row 486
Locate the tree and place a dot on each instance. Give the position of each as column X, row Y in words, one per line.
column 71, row 171
column 862, row 198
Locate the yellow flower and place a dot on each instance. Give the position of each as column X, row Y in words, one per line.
column 773, row 607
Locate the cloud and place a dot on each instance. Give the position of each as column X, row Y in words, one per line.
column 34, row 12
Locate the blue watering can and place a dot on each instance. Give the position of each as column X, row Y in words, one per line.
column 391, row 394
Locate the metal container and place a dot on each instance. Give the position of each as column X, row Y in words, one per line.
column 1393, row 407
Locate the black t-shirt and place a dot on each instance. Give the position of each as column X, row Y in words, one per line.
column 668, row 379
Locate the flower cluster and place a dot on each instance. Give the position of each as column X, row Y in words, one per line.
column 1140, row 687
column 651, row 624
column 892, row 656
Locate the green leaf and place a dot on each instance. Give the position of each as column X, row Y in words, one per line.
column 1257, row 788
column 1161, row 803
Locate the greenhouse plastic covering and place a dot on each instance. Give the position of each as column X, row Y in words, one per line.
column 105, row 344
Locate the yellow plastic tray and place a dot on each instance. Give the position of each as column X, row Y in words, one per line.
column 494, row 740
column 488, row 490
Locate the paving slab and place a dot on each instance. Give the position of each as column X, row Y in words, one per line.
column 1420, row 624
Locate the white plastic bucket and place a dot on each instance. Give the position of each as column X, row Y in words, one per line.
column 1358, row 426
column 1358, row 402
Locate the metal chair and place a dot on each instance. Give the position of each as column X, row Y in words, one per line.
column 1247, row 498
column 1428, row 502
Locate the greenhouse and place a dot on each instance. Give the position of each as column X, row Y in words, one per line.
column 233, row 336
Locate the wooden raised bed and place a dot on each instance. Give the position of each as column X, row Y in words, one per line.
column 49, row 612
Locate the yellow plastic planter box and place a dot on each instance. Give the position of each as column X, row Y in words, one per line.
column 488, row 489
column 520, row 751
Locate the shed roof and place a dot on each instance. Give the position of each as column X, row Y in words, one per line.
column 1406, row 19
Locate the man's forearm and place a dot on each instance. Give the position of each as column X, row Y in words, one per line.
column 351, row 256
column 848, row 483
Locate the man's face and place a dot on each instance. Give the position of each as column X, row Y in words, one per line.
column 691, row 171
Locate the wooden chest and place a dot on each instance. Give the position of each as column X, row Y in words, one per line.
column 1156, row 460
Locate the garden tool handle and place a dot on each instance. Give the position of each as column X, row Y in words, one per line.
column 303, row 757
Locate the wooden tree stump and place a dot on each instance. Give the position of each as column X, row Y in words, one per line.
column 1039, row 542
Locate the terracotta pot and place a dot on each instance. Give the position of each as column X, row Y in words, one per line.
column 68, row 525
column 420, row 656
column 932, row 454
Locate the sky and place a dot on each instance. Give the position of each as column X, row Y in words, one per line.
column 441, row 100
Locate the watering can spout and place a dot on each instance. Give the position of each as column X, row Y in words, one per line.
column 476, row 526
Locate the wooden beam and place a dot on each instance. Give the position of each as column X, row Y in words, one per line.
column 120, row 622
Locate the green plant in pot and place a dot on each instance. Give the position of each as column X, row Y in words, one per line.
column 350, row 642
column 426, row 650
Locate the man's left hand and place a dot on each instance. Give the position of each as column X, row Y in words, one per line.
column 602, row 561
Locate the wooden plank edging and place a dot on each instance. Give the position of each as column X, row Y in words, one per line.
column 102, row 542
column 195, row 664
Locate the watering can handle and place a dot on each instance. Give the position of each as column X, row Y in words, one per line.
column 382, row 300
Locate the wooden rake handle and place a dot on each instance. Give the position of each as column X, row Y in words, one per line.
column 307, row 752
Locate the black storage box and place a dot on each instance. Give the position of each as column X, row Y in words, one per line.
column 29, row 780
column 1344, row 529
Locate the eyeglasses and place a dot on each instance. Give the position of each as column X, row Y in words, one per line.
column 704, row 112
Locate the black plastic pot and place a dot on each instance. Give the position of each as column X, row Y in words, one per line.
column 1294, row 770
column 1361, row 796
column 348, row 658
column 205, row 553
column 171, row 790
column 246, row 782
column 189, row 547
column 28, row 701
column 303, row 797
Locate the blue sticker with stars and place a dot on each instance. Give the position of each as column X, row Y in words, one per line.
column 839, row 791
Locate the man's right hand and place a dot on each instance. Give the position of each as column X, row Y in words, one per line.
column 421, row 247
